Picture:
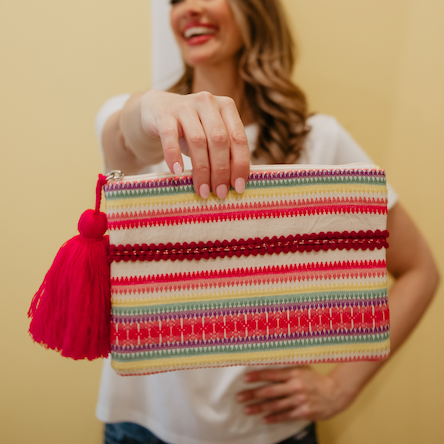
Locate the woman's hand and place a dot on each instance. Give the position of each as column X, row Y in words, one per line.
column 294, row 393
column 208, row 128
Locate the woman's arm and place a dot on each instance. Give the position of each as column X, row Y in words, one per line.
column 152, row 124
column 139, row 150
column 303, row 393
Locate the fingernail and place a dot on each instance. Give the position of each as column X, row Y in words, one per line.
column 248, row 410
column 239, row 185
column 222, row 191
column 177, row 168
column 248, row 378
column 204, row 191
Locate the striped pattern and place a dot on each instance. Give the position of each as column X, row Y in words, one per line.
column 245, row 211
column 253, row 306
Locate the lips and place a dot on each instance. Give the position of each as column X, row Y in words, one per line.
column 198, row 31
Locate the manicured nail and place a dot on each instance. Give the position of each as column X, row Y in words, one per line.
column 204, row 191
column 239, row 185
column 177, row 168
column 222, row 191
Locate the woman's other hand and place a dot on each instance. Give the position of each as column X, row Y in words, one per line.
column 294, row 393
column 157, row 124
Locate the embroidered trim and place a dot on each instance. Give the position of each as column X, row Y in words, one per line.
column 242, row 213
column 273, row 269
column 299, row 242
column 336, row 202
column 267, row 308
column 239, row 277
column 190, row 330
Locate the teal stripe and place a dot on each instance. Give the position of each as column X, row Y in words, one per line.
column 310, row 181
column 361, row 295
column 148, row 192
column 213, row 349
column 251, row 185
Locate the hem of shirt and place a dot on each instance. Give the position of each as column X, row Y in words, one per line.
column 275, row 436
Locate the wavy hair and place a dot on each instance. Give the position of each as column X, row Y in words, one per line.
column 266, row 61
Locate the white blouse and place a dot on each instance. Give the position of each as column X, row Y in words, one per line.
column 198, row 406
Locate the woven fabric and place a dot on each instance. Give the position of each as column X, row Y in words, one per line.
column 293, row 271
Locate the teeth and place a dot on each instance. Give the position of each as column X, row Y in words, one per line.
column 198, row 30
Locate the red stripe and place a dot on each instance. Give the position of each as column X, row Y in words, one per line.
column 239, row 212
column 182, row 330
column 248, row 276
column 249, row 205
column 300, row 242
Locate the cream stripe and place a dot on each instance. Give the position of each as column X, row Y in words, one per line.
column 232, row 292
column 250, row 358
column 144, row 268
column 240, row 294
column 244, row 229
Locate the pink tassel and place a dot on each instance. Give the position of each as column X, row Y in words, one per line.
column 71, row 310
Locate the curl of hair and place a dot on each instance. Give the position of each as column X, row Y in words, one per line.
column 265, row 64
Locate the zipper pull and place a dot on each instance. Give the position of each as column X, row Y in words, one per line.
column 114, row 175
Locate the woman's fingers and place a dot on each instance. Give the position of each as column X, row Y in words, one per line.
column 217, row 144
column 273, row 375
column 294, row 393
column 196, row 139
column 217, row 141
column 267, row 392
column 169, row 136
column 210, row 129
column 274, row 406
column 299, row 412
column 239, row 150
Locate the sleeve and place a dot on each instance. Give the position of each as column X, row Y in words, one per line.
column 348, row 151
column 110, row 107
column 328, row 143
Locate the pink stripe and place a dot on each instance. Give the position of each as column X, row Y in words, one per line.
column 248, row 205
column 249, row 276
column 249, row 211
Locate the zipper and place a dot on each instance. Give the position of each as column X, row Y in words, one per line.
column 117, row 175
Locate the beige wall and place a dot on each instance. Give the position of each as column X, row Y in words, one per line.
column 377, row 66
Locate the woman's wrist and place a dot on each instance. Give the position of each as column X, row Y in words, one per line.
column 351, row 377
column 146, row 149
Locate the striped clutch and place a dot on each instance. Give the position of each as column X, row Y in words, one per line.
column 292, row 271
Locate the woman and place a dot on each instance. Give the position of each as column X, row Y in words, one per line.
column 236, row 96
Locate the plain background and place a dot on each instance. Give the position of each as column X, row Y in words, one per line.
column 377, row 66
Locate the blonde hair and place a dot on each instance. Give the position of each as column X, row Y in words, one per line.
column 265, row 64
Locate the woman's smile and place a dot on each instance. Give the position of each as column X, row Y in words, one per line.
column 206, row 31
column 198, row 33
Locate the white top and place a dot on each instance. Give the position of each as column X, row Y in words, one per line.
column 198, row 406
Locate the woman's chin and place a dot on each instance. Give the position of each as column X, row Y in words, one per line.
column 205, row 59
column 199, row 60
column 197, row 55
